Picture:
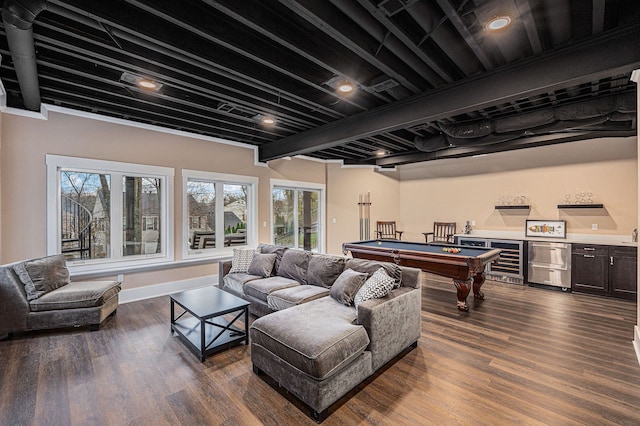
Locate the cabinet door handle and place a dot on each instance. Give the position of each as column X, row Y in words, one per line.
column 589, row 249
column 611, row 260
column 590, row 256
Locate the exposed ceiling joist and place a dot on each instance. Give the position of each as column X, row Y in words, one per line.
column 594, row 58
column 531, row 142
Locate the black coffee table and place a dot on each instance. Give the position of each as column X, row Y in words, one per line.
column 201, row 327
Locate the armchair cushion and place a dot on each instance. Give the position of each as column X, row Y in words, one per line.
column 80, row 294
column 40, row 276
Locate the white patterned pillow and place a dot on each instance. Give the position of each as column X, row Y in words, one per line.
column 241, row 260
column 377, row 286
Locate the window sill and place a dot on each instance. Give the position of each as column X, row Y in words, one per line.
column 114, row 269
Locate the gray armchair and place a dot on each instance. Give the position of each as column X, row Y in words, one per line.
column 37, row 294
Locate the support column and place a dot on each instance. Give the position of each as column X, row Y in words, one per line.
column 635, row 76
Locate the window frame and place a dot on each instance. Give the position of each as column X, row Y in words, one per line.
column 220, row 250
column 116, row 260
column 298, row 185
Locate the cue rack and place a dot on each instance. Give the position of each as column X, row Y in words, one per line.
column 364, row 206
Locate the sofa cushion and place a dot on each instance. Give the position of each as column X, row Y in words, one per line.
column 371, row 266
column 295, row 264
column 80, row 294
column 324, row 269
column 262, row 264
column 40, row 276
column 347, row 285
column 270, row 248
column 377, row 286
column 292, row 296
column 334, row 343
column 237, row 281
column 260, row 289
column 241, row 260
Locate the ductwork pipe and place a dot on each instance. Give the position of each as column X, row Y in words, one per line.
column 18, row 17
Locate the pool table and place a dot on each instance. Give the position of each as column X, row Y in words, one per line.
column 466, row 267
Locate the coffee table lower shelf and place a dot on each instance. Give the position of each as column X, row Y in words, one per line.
column 189, row 332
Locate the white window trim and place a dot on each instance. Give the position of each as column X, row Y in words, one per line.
column 114, row 263
column 252, row 212
column 293, row 184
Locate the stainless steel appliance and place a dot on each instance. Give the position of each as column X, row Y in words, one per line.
column 550, row 264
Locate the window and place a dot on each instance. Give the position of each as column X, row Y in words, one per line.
column 102, row 212
column 297, row 214
column 218, row 213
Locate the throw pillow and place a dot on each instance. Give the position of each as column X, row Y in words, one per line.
column 294, row 265
column 324, row 269
column 278, row 250
column 377, row 286
column 370, row 266
column 241, row 260
column 262, row 264
column 40, row 276
column 347, row 285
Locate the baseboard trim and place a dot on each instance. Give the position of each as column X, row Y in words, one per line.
column 156, row 290
column 636, row 341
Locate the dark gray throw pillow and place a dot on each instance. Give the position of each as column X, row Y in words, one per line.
column 294, row 265
column 371, row 266
column 344, row 289
column 40, row 276
column 324, row 269
column 270, row 248
column 262, row 264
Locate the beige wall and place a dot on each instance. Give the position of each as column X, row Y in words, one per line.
column 26, row 141
column 414, row 196
column 344, row 185
column 469, row 189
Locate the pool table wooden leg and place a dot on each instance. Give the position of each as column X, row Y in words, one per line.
column 463, row 287
column 478, row 280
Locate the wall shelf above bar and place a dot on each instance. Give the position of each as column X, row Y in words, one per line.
column 580, row 206
column 514, row 207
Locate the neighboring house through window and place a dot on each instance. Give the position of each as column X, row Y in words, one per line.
column 219, row 212
column 104, row 212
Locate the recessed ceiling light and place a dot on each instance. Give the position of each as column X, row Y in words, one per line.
column 267, row 120
column 345, row 87
column 498, row 22
column 147, row 84
column 342, row 85
column 141, row 82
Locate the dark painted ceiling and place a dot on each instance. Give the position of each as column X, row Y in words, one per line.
column 432, row 81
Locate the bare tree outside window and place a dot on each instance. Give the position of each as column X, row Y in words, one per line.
column 85, row 206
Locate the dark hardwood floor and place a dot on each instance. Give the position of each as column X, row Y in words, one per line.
column 523, row 356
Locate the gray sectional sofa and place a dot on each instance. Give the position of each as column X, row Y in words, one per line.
column 309, row 337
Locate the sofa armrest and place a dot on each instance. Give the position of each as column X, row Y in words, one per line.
column 14, row 307
column 224, row 266
column 392, row 323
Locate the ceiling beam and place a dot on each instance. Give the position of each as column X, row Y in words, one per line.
column 613, row 53
column 532, row 142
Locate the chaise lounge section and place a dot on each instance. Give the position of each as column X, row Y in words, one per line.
column 38, row 294
column 309, row 337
